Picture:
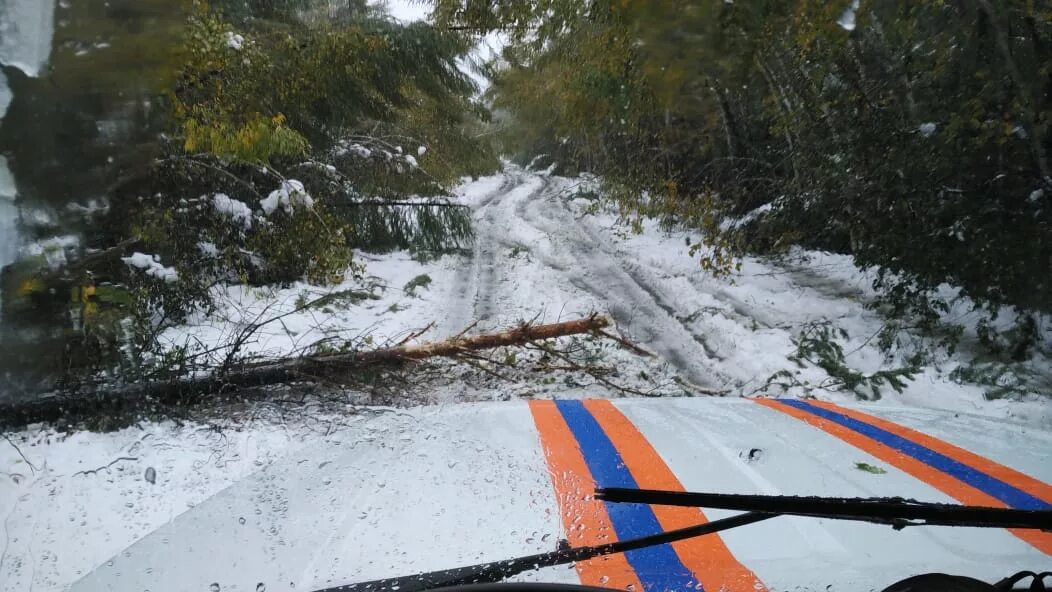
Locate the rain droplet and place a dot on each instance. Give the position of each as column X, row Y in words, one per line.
column 241, row 520
column 213, row 587
column 261, row 587
column 630, row 588
column 151, row 475
column 604, row 579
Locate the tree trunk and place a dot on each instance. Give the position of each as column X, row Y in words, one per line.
column 305, row 368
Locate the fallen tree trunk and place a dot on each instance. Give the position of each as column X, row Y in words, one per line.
column 289, row 370
column 451, row 347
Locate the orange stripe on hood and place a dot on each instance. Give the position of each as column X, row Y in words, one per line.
column 951, row 486
column 584, row 518
column 707, row 557
column 1034, row 487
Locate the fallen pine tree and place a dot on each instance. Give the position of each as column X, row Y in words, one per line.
column 325, row 368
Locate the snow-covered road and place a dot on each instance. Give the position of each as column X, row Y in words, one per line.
column 75, row 500
column 539, row 255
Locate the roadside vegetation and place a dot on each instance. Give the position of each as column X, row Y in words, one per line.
column 288, row 135
column 912, row 136
column 271, row 143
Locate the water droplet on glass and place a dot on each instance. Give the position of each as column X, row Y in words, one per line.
column 261, row 587
column 604, row 579
column 151, row 475
column 241, row 520
column 213, row 587
column 631, row 588
column 109, row 563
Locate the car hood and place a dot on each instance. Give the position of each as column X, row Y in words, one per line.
column 441, row 487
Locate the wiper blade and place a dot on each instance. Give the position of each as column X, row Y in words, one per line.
column 496, row 571
column 896, row 511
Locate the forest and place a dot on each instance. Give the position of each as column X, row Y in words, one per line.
column 277, row 138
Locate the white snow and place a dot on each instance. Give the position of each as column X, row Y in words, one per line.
column 354, row 148
column 539, row 256
column 411, row 160
column 5, row 95
column 26, row 28
column 847, row 18
column 927, row 129
column 8, row 216
column 83, row 497
column 305, row 500
column 151, row 266
column 420, row 151
column 52, row 249
column 208, row 249
column 234, row 40
column 288, row 196
column 237, row 211
column 1036, row 195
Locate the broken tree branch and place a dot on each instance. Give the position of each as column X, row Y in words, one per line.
column 308, row 368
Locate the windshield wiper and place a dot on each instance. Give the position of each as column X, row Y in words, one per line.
column 496, row 571
column 896, row 512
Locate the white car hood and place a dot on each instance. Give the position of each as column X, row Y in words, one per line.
column 437, row 488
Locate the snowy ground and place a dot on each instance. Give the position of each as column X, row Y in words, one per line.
column 537, row 257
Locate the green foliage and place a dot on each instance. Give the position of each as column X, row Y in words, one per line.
column 870, row 468
column 421, row 281
column 818, row 345
column 235, row 98
column 257, row 140
column 916, row 142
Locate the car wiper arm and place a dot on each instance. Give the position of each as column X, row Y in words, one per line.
column 896, row 511
column 499, row 570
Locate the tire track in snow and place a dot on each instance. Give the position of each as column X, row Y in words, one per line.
column 466, row 278
column 478, row 279
column 632, row 299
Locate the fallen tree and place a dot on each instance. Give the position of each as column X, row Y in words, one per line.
column 326, row 368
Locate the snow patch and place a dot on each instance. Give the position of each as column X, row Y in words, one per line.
column 421, row 151
column 5, row 95
column 53, row 250
column 847, row 19
column 927, row 129
column 411, row 161
column 151, row 266
column 26, row 28
column 208, row 249
column 237, row 211
column 288, row 196
column 234, row 41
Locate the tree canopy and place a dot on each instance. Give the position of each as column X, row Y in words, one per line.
column 911, row 135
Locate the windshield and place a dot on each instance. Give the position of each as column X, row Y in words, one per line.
column 312, row 293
